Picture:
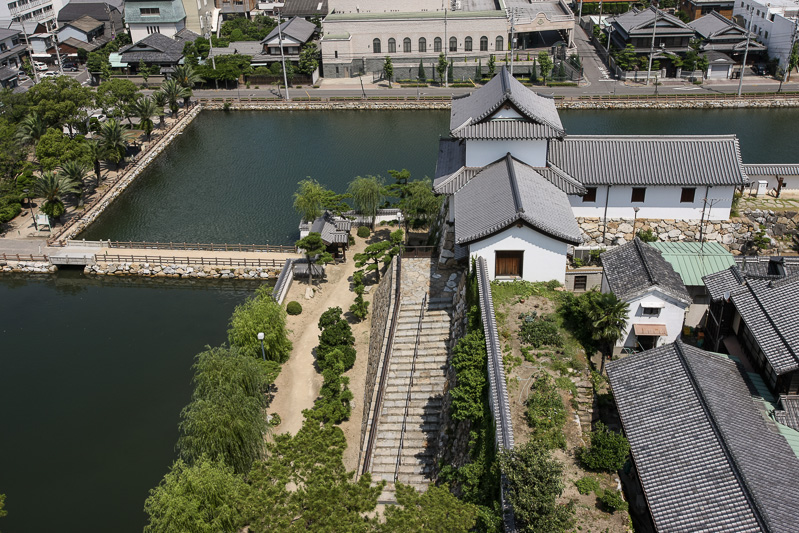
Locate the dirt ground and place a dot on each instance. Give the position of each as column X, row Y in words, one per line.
column 299, row 382
column 589, row 517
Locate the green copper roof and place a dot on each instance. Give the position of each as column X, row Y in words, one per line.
column 168, row 12
column 692, row 261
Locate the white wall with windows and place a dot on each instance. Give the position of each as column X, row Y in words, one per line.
column 169, row 29
column 682, row 203
column 653, row 307
column 543, row 258
column 773, row 23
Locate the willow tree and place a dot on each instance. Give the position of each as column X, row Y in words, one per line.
column 260, row 314
column 367, row 193
column 308, row 199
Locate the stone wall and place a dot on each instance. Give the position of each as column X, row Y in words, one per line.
column 153, row 270
column 382, row 305
column 27, row 267
column 733, row 234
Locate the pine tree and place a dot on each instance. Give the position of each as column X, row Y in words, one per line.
column 492, row 66
column 422, row 75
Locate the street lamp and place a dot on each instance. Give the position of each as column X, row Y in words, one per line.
column 635, row 218
column 261, row 338
column 27, row 194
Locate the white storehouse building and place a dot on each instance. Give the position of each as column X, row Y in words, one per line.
column 515, row 182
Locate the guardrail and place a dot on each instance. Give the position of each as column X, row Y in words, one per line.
column 202, row 261
column 25, row 257
column 410, row 388
column 384, row 371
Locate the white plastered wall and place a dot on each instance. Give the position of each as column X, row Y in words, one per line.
column 480, row 153
column 659, row 202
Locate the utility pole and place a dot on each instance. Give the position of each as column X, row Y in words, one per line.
column 446, row 50
column 652, row 48
column 211, row 46
column 512, row 36
column 30, row 55
column 790, row 51
column 580, row 13
column 57, row 52
column 746, row 51
column 282, row 57
column 610, row 29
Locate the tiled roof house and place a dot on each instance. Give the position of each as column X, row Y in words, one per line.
column 703, row 450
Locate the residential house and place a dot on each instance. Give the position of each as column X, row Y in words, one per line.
column 359, row 35
column 723, row 36
column 85, row 29
column 147, row 17
column 658, row 300
column 706, row 454
column 773, row 21
column 719, row 66
column 155, row 49
column 525, row 225
column 9, row 78
column 699, row 8
column 38, row 37
column 635, row 27
column 777, row 177
column 296, row 33
column 254, row 49
column 109, row 12
column 752, row 313
column 12, row 48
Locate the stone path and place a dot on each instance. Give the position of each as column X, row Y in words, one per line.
column 415, row 386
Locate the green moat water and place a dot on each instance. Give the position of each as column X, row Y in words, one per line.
column 94, row 373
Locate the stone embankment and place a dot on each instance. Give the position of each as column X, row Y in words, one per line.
column 364, row 105
column 74, row 228
column 734, row 234
column 27, row 267
column 715, row 103
column 154, row 270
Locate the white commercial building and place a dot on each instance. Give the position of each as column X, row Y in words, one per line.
column 774, row 22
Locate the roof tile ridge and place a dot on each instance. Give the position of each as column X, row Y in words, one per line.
column 564, row 174
column 770, row 320
column 639, row 249
column 739, row 476
column 514, row 184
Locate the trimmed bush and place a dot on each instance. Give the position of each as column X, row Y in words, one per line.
column 612, row 501
column 608, row 450
column 293, row 308
column 587, row 485
column 542, row 331
column 363, row 232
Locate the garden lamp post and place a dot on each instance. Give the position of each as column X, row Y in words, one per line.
column 28, row 196
column 635, row 218
column 261, row 338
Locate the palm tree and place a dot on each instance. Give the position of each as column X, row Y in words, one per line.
column 174, row 91
column 76, row 172
column 145, row 108
column 115, row 137
column 187, row 78
column 608, row 317
column 97, row 152
column 30, row 129
column 52, row 187
column 160, row 101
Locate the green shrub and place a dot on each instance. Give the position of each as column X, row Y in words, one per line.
column 647, row 235
column 363, row 232
column 542, row 331
column 336, row 343
column 612, row 501
column 546, row 414
column 608, row 450
column 587, row 485
column 293, row 308
column 469, row 362
column 359, row 309
column 564, row 383
column 260, row 314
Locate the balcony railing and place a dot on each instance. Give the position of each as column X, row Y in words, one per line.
column 23, row 8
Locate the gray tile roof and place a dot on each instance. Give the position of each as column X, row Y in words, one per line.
column 705, row 455
column 77, row 43
column 97, row 10
column 636, row 267
column 668, row 160
column 508, row 191
column 789, row 412
column 297, row 28
column 724, row 281
column 451, row 157
column 765, row 266
column 768, row 308
column 85, row 24
column 772, row 169
column 154, row 48
column 471, row 114
column 639, row 23
column 186, row 35
column 713, row 24
column 332, row 230
column 6, row 33
column 7, row 74
column 304, row 8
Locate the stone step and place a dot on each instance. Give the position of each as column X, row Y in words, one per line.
column 431, row 404
column 426, row 428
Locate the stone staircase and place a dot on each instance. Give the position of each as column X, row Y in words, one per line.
column 425, row 388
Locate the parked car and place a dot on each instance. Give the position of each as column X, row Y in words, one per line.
column 51, row 74
column 760, row 70
column 70, row 67
column 39, row 66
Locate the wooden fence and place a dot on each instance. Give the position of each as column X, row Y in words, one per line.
column 191, row 261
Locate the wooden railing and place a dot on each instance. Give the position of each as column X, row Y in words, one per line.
column 208, row 247
column 202, row 261
column 24, row 257
column 418, row 251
